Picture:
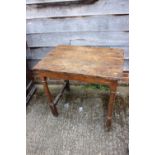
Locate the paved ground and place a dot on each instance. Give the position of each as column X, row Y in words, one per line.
column 79, row 129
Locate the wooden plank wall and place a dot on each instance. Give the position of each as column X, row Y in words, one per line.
column 105, row 23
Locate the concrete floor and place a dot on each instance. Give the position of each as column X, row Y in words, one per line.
column 80, row 128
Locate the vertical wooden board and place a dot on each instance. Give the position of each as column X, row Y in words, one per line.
column 92, row 23
column 101, row 7
column 80, row 38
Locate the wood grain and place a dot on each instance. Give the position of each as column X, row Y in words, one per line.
column 79, row 24
column 40, row 52
column 78, row 38
column 126, row 65
column 33, row 62
column 48, row 1
column 98, row 62
column 100, row 7
column 59, row 2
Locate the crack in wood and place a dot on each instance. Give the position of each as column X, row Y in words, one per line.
column 39, row 4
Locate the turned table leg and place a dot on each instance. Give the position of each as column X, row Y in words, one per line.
column 50, row 98
column 113, row 88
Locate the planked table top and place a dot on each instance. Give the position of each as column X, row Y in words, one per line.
column 105, row 63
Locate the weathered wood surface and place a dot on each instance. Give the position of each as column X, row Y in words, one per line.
column 125, row 78
column 102, row 39
column 39, row 53
column 33, row 62
column 48, row 1
column 81, row 38
column 59, row 1
column 100, row 7
column 97, row 62
column 28, row 52
column 79, row 24
column 126, row 65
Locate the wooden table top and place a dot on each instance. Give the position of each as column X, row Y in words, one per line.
column 105, row 63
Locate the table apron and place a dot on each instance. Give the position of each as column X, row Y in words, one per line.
column 77, row 77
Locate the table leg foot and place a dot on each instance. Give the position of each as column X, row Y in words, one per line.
column 54, row 110
column 108, row 124
column 113, row 88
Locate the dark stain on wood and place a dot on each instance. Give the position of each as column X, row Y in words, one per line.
column 87, row 61
column 56, row 4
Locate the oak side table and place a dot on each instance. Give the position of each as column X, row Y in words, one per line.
column 85, row 64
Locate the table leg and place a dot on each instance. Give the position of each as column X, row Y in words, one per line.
column 113, row 88
column 50, row 98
